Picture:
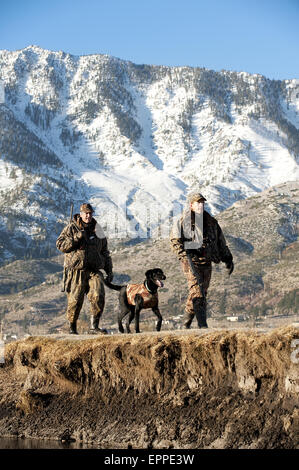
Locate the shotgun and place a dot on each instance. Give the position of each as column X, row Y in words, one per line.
column 71, row 212
column 65, row 270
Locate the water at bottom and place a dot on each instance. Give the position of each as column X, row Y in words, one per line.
column 19, row 443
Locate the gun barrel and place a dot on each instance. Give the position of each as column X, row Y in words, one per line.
column 71, row 212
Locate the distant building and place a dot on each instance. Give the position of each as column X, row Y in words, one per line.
column 236, row 318
column 9, row 337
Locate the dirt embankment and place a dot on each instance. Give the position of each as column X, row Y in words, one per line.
column 225, row 389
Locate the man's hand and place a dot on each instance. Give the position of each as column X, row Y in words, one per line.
column 81, row 235
column 109, row 277
column 230, row 266
column 78, row 236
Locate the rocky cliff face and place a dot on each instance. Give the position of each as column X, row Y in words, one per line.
column 132, row 139
column 218, row 390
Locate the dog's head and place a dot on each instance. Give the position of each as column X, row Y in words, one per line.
column 156, row 276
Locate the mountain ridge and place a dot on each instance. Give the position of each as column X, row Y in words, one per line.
column 131, row 138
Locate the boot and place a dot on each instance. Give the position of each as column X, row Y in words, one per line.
column 94, row 326
column 201, row 313
column 187, row 323
column 73, row 328
column 188, row 318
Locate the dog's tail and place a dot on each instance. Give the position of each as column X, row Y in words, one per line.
column 112, row 286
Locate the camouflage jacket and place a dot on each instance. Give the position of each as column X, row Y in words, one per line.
column 84, row 249
column 213, row 246
column 150, row 299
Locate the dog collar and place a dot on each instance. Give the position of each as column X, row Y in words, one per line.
column 147, row 288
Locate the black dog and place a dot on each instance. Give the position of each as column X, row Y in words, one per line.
column 134, row 297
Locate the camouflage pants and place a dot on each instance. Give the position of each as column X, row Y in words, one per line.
column 196, row 303
column 79, row 283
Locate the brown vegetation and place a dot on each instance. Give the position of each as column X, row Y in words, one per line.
column 225, row 389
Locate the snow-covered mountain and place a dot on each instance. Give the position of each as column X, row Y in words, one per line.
column 133, row 140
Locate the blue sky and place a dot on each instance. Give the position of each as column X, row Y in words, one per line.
column 256, row 36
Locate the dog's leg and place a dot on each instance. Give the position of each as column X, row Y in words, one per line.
column 130, row 318
column 137, row 314
column 123, row 309
column 121, row 315
column 159, row 322
column 138, row 306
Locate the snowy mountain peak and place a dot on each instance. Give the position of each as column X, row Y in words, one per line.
column 135, row 139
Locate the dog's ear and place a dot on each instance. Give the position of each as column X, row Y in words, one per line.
column 148, row 273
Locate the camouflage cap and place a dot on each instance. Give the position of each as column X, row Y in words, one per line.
column 196, row 197
column 86, row 207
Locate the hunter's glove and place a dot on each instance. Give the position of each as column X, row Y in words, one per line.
column 109, row 277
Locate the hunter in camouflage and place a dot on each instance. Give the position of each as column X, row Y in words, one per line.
column 86, row 254
column 197, row 240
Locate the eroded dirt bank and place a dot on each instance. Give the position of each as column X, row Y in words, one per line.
column 225, row 389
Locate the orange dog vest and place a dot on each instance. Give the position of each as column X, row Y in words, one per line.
column 150, row 300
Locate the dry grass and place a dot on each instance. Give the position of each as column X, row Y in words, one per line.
column 155, row 362
column 182, row 389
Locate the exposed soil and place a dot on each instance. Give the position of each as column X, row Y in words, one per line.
column 225, row 389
